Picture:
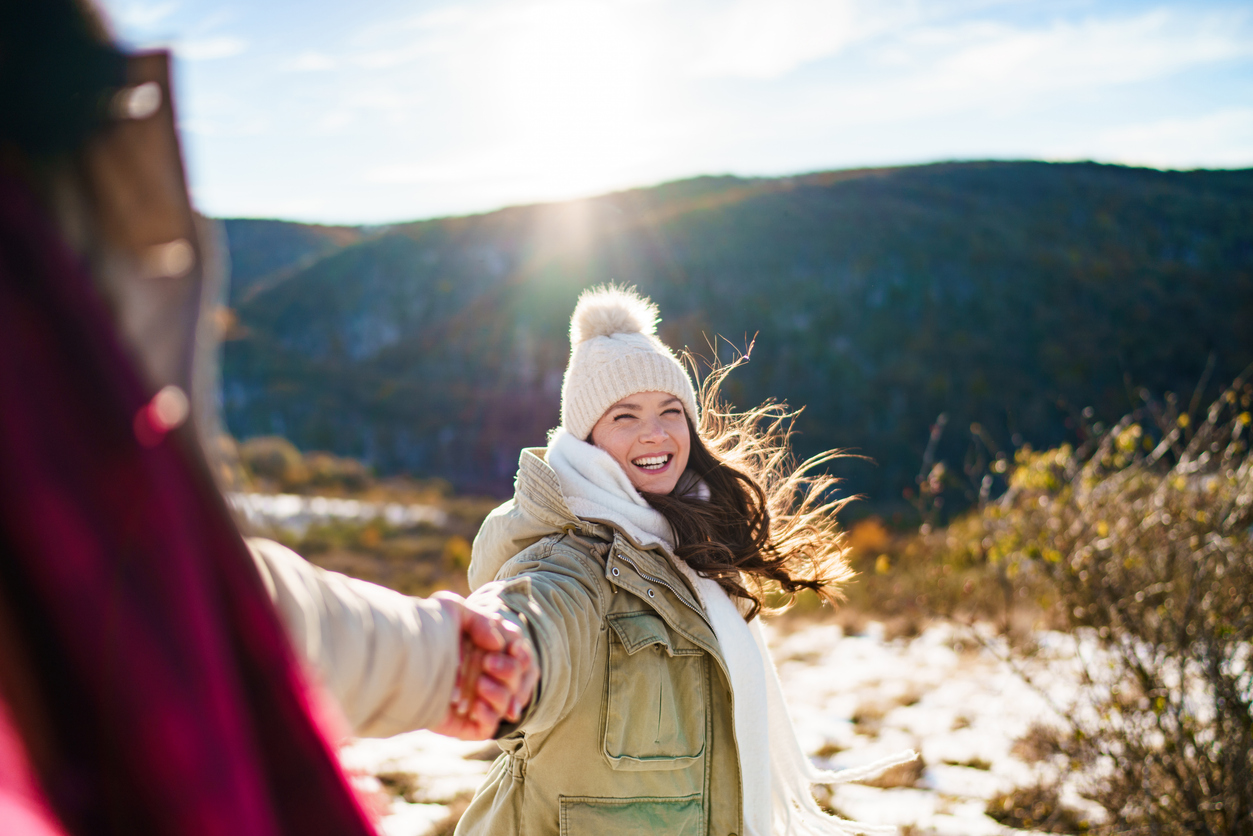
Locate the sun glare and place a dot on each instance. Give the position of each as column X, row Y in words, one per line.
column 576, row 94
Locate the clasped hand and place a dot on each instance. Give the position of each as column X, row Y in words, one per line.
column 496, row 676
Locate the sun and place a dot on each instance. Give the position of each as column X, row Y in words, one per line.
column 577, row 93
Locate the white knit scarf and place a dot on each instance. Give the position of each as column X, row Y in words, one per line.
column 595, row 487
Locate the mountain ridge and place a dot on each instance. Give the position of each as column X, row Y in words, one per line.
column 992, row 291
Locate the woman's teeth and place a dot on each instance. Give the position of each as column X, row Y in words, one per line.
column 651, row 462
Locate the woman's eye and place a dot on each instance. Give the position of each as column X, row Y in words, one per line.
column 623, row 415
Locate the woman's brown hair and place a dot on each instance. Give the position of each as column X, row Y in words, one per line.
column 769, row 522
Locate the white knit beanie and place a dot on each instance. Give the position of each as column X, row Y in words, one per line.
column 614, row 353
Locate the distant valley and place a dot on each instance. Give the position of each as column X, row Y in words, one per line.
column 1007, row 295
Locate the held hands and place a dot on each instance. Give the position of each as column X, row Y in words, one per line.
column 497, row 673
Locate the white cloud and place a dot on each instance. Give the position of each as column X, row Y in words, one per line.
column 933, row 72
column 480, row 102
column 137, row 15
column 770, row 38
column 222, row 115
column 1223, row 138
column 211, row 48
column 1086, row 54
column 309, row 62
column 428, row 173
column 207, row 126
column 390, row 44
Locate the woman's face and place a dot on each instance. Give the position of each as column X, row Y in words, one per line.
column 647, row 435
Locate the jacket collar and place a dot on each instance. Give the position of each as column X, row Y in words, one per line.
column 538, row 497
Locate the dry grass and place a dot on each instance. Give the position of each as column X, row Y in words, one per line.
column 1042, row 742
column 972, row 763
column 903, row 775
column 456, row 809
column 1037, row 807
column 868, row 717
column 404, row 785
column 828, row 750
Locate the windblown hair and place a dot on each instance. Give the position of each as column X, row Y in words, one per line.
column 769, row 523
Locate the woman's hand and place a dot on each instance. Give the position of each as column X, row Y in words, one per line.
column 497, row 674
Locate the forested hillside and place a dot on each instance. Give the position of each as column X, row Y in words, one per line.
column 1008, row 294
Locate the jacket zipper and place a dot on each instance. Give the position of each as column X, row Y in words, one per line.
column 726, row 671
column 667, row 585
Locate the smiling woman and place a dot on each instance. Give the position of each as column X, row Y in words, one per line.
column 636, row 551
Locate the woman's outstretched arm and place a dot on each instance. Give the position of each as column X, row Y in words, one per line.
column 558, row 595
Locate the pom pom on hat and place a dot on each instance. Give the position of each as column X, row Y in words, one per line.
column 604, row 311
column 614, row 352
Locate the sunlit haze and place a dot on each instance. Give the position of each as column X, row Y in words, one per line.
column 384, row 110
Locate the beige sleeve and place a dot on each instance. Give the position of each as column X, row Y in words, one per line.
column 390, row 660
column 506, row 532
column 552, row 595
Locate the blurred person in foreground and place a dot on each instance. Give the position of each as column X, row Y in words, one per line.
column 147, row 682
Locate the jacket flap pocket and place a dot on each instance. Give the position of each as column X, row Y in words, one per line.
column 637, row 630
column 672, row 816
column 654, row 701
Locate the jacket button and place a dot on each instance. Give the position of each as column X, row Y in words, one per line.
column 615, row 571
column 650, row 594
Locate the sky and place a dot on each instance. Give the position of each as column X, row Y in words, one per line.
column 380, row 111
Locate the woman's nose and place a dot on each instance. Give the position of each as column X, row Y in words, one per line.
column 652, row 430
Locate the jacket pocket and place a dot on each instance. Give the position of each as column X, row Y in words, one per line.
column 655, row 696
column 588, row 816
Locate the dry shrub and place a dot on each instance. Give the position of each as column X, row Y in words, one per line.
column 829, row 750
column 975, row 762
column 274, row 463
column 456, row 809
column 916, row 578
column 868, row 717
column 404, row 785
column 1037, row 807
column 869, row 537
column 408, row 786
column 1142, row 541
column 901, row 775
column 1042, row 742
column 326, row 471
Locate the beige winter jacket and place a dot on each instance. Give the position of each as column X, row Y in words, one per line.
column 632, row 730
column 388, row 659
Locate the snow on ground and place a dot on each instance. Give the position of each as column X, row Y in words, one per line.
column 854, row 699
column 296, row 513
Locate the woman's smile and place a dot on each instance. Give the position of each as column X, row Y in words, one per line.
column 653, row 464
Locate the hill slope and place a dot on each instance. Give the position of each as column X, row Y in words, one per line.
column 1009, row 294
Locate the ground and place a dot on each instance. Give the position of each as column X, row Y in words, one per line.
column 854, row 698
